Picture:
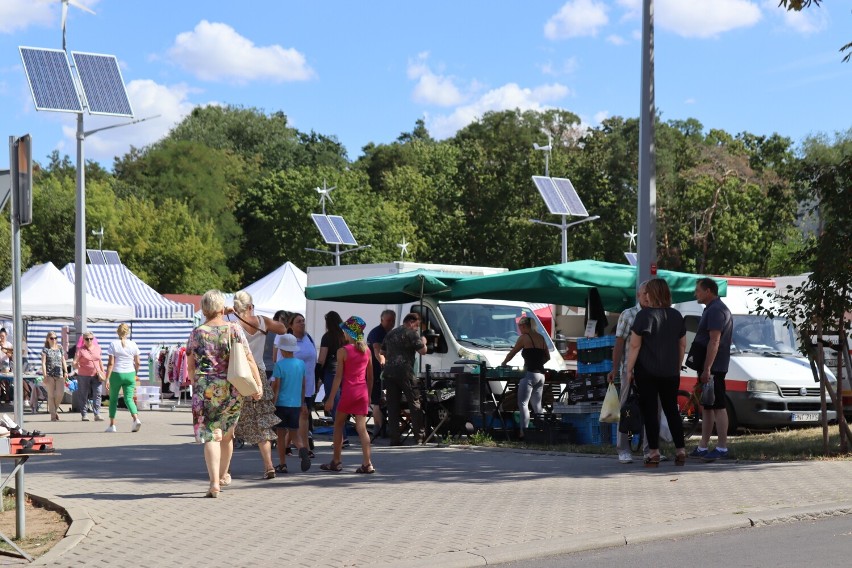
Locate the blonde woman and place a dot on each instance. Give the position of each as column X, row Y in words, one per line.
column 216, row 404
column 54, row 372
column 122, row 367
column 533, row 348
column 257, row 418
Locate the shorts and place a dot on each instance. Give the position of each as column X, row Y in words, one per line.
column 376, row 393
column 289, row 416
column 718, row 391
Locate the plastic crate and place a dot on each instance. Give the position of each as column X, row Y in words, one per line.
column 596, row 380
column 586, row 427
column 594, row 368
column 576, row 408
column 595, row 355
column 596, row 342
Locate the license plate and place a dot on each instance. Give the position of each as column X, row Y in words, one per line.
column 805, row 417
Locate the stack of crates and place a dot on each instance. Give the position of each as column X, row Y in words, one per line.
column 584, row 420
column 147, row 397
column 594, row 362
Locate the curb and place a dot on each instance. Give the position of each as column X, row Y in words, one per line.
column 81, row 524
column 594, row 541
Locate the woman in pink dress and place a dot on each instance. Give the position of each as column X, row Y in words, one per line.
column 354, row 378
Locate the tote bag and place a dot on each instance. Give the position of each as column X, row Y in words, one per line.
column 696, row 357
column 239, row 370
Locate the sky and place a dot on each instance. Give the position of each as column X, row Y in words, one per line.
column 367, row 71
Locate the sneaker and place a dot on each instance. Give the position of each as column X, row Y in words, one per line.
column 346, row 443
column 98, row 418
column 662, row 457
column 136, row 425
column 625, row 457
column 715, row 454
column 85, row 418
column 26, row 403
column 111, row 429
column 698, row 454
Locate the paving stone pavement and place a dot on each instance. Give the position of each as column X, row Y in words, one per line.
column 456, row 506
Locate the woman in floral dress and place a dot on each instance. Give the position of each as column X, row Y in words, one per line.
column 215, row 403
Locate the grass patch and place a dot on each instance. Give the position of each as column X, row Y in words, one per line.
column 784, row 445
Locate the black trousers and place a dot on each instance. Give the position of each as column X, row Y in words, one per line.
column 666, row 389
column 395, row 387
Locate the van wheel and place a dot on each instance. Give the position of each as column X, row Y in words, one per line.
column 733, row 424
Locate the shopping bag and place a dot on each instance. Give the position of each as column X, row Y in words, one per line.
column 239, row 370
column 696, row 357
column 665, row 431
column 708, row 393
column 611, row 407
column 631, row 416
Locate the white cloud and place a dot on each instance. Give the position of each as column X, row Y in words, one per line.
column 431, row 88
column 690, row 101
column 509, row 96
column 577, row 18
column 216, row 52
column 21, row 14
column 567, row 67
column 616, row 39
column 698, row 18
column 148, row 99
column 600, row 116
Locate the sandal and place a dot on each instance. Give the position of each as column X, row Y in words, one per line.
column 366, row 469
column 304, row 455
column 213, row 493
column 652, row 461
column 225, row 480
column 332, row 466
column 280, row 468
column 270, row 474
column 680, row 460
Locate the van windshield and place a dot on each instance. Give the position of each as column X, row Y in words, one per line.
column 492, row 326
column 761, row 334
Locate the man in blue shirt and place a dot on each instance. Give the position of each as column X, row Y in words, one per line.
column 714, row 332
column 374, row 340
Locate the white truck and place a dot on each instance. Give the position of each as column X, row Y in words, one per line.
column 769, row 384
column 483, row 330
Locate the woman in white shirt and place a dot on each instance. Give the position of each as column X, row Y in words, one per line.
column 122, row 367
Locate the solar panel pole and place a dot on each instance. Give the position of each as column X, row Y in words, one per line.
column 80, row 237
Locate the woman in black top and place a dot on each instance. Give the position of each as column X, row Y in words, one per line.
column 533, row 348
column 332, row 340
column 657, row 344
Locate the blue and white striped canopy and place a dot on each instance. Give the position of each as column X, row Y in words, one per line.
column 117, row 284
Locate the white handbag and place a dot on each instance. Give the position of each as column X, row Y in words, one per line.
column 239, row 370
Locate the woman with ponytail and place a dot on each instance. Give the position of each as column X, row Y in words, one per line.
column 122, row 367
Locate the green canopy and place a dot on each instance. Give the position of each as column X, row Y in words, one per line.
column 398, row 288
column 568, row 284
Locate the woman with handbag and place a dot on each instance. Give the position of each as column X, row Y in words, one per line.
column 657, row 345
column 122, row 368
column 216, row 403
column 257, row 418
column 90, row 375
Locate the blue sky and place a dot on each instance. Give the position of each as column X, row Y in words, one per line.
column 366, row 71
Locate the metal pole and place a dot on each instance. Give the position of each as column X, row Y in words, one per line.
column 647, row 247
column 80, row 238
column 564, row 239
column 20, row 502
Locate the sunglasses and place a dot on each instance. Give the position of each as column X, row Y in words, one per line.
column 51, row 337
column 88, row 338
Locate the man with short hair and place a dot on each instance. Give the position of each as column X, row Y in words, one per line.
column 374, row 340
column 399, row 348
column 714, row 332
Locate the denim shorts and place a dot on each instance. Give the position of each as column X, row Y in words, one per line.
column 289, row 416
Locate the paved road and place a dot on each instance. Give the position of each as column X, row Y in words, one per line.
column 455, row 506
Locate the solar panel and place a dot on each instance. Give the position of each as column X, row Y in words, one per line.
column 569, row 195
column 631, row 258
column 111, row 257
column 326, row 229
column 50, row 80
column 339, row 224
column 102, row 84
column 95, row 256
column 550, row 195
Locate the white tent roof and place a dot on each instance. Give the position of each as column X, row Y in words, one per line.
column 47, row 294
column 282, row 289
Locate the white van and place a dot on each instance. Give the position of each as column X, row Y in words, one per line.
column 481, row 330
column 769, row 384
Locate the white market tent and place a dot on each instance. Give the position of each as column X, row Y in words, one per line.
column 281, row 289
column 47, row 294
